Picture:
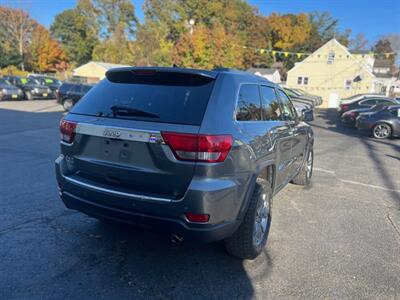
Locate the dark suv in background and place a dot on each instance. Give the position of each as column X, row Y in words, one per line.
column 70, row 93
column 198, row 154
column 8, row 91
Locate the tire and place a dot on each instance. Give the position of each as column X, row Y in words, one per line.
column 28, row 96
column 382, row 131
column 68, row 104
column 305, row 174
column 244, row 243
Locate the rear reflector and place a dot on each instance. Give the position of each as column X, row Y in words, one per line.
column 198, row 147
column 67, row 130
column 197, row 218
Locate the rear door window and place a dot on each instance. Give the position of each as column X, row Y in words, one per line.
column 249, row 104
column 270, row 104
column 159, row 97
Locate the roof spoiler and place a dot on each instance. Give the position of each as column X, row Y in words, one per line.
column 125, row 73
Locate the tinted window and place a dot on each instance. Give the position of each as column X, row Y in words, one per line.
column 270, row 104
column 395, row 112
column 249, row 108
column 288, row 111
column 65, row 87
column 368, row 102
column 161, row 97
column 383, row 102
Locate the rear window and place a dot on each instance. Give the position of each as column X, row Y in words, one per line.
column 160, row 97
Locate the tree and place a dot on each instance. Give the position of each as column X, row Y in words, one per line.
column 115, row 49
column 208, row 48
column 324, row 28
column 45, row 52
column 359, row 42
column 288, row 31
column 17, row 28
column 382, row 48
column 112, row 15
column 74, row 30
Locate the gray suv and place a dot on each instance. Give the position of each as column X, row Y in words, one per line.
column 198, row 154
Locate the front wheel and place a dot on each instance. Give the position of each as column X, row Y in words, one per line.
column 382, row 131
column 305, row 173
column 250, row 238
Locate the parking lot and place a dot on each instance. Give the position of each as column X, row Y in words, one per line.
column 339, row 238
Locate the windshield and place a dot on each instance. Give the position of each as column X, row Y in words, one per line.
column 164, row 97
column 25, row 80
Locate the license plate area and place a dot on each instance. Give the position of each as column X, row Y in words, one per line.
column 117, row 150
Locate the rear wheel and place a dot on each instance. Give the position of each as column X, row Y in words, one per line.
column 251, row 236
column 68, row 104
column 305, row 174
column 382, row 131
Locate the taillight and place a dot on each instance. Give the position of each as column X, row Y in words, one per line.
column 352, row 114
column 58, row 93
column 67, row 130
column 198, row 147
column 344, row 107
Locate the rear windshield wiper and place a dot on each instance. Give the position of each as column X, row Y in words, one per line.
column 127, row 111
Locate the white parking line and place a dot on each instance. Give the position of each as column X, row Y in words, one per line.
column 356, row 182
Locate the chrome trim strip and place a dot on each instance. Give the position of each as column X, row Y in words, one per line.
column 113, row 192
column 137, row 135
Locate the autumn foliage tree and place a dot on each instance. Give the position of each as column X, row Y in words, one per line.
column 45, row 53
column 208, row 48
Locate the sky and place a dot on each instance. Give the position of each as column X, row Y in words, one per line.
column 373, row 18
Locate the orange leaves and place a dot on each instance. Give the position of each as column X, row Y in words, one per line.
column 46, row 54
column 208, row 48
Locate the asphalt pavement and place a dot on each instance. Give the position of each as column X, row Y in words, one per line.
column 337, row 239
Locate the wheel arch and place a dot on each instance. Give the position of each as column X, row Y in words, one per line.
column 267, row 172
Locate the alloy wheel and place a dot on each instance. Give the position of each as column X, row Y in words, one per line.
column 382, row 131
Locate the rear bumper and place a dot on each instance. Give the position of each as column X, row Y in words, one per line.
column 205, row 233
column 166, row 216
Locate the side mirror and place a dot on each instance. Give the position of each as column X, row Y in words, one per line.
column 307, row 116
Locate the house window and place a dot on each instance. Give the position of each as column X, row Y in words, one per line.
column 299, row 80
column 302, row 80
column 331, row 57
column 347, row 84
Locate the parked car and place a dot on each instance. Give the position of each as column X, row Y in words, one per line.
column 365, row 102
column 30, row 87
column 295, row 95
column 196, row 153
column 70, row 93
column 349, row 117
column 8, row 91
column 361, row 96
column 300, row 92
column 303, row 110
column 382, row 124
column 53, row 83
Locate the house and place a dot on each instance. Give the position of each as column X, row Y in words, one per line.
column 94, row 71
column 269, row 73
column 333, row 72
